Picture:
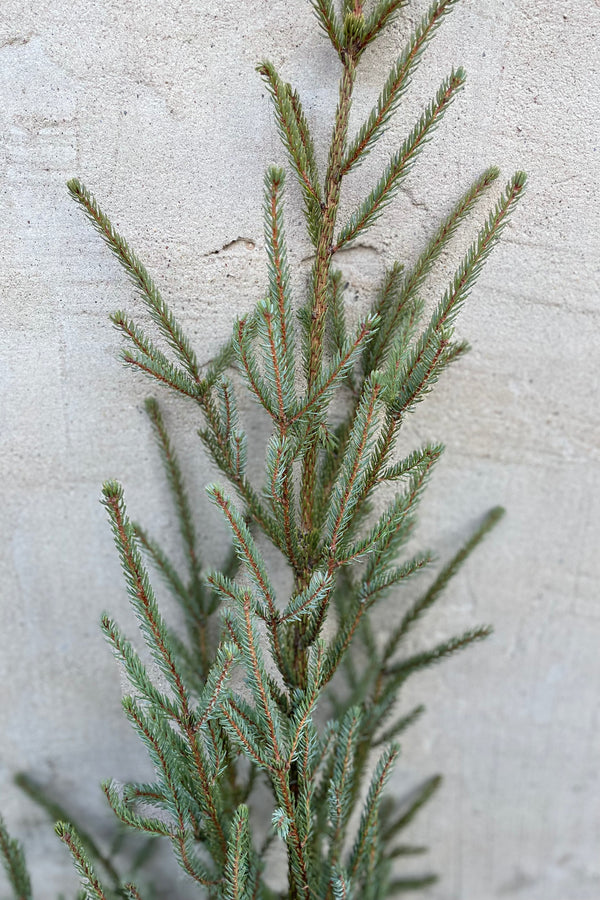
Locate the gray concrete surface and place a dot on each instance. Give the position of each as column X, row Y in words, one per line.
column 158, row 109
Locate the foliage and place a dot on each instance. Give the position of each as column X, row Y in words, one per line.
column 337, row 397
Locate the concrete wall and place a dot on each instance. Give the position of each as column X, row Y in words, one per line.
column 157, row 107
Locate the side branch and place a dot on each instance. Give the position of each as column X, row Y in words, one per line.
column 159, row 310
column 400, row 163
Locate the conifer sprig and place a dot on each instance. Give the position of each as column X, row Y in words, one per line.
column 13, row 860
column 140, row 591
column 329, row 22
column 158, row 309
column 295, row 134
column 400, row 163
column 398, row 294
column 90, row 881
column 175, row 481
column 397, row 82
column 325, row 462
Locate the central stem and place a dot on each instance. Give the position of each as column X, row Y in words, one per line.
column 321, row 273
column 320, row 292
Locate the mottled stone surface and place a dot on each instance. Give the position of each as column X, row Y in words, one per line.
column 157, row 107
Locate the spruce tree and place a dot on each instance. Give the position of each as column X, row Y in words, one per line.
column 337, row 397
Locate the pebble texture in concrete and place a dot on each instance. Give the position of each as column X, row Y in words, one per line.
column 157, row 107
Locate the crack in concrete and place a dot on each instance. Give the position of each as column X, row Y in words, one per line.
column 241, row 242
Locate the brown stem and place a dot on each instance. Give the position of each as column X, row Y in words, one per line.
column 321, row 270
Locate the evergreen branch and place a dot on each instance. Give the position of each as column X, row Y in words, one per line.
column 221, row 455
column 193, row 655
column 340, row 886
column 416, row 277
column 240, row 454
column 139, row 339
column 330, row 466
column 164, row 745
column 229, row 416
column 350, row 481
column 144, row 793
column 201, row 751
column 386, row 298
column 350, row 617
column 406, row 850
column 297, row 858
column 337, row 371
column 158, row 740
column 236, row 723
column 353, row 28
column 323, row 255
column 394, row 526
column 249, row 555
column 217, row 746
column 337, row 313
column 301, row 717
column 340, row 788
column 397, row 81
column 237, row 885
column 136, row 672
column 56, row 812
column 401, row 670
column 243, row 334
column 293, row 132
column 432, row 594
column 140, row 591
column 400, row 163
column 420, row 372
column 190, row 862
column 166, row 568
column 257, row 679
column 245, row 547
column 434, row 350
column 368, row 823
column 154, row 630
column 164, row 372
column 414, row 463
column 399, row 727
column 274, row 373
column 372, row 586
column 13, row 859
column 395, row 361
column 279, row 290
column 455, row 350
column 217, row 366
column 411, row 806
column 472, row 264
column 89, row 879
column 328, row 20
column 381, row 16
column 227, row 589
column 416, row 883
column 317, row 308
column 137, row 272
column 305, row 137
column 131, row 818
column 279, row 466
column 226, row 657
column 176, row 484
column 379, row 457
column 339, row 645
column 308, row 600
column 381, row 538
